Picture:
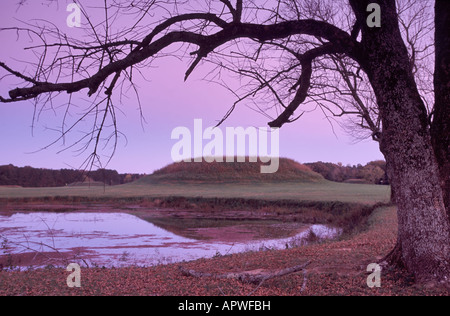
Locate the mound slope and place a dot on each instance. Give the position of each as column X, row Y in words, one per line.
column 217, row 172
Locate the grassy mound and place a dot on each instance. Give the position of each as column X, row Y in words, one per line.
column 218, row 172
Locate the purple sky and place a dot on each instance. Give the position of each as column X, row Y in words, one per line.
column 168, row 102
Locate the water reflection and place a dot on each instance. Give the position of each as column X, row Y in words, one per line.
column 117, row 239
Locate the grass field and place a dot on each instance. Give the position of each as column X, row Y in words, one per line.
column 293, row 181
column 320, row 191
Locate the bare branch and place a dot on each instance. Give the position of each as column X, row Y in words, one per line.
column 304, row 81
column 247, row 276
column 207, row 43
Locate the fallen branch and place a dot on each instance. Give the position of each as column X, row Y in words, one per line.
column 255, row 276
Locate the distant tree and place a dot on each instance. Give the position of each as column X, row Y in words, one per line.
column 109, row 177
column 128, row 178
column 378, row 163
column 34, row 177
column 372, row 174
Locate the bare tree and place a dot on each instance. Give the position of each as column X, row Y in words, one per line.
column 290, row 54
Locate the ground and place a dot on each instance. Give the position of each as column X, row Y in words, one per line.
column 336, row 268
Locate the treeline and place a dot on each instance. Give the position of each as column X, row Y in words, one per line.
column 33, row 177
column 374, row 172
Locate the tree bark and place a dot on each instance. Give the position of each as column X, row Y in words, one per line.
column 423, row 225
column 440, row 127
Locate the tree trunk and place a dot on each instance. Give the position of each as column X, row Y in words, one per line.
column 440, row 128
column 423, row 225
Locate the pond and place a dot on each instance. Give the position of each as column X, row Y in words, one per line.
column 103, row 239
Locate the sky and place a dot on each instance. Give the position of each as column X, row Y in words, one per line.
column 167, row 103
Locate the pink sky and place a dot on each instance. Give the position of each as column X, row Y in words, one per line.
column 168, row 102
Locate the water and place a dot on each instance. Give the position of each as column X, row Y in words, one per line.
column 116, row 239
